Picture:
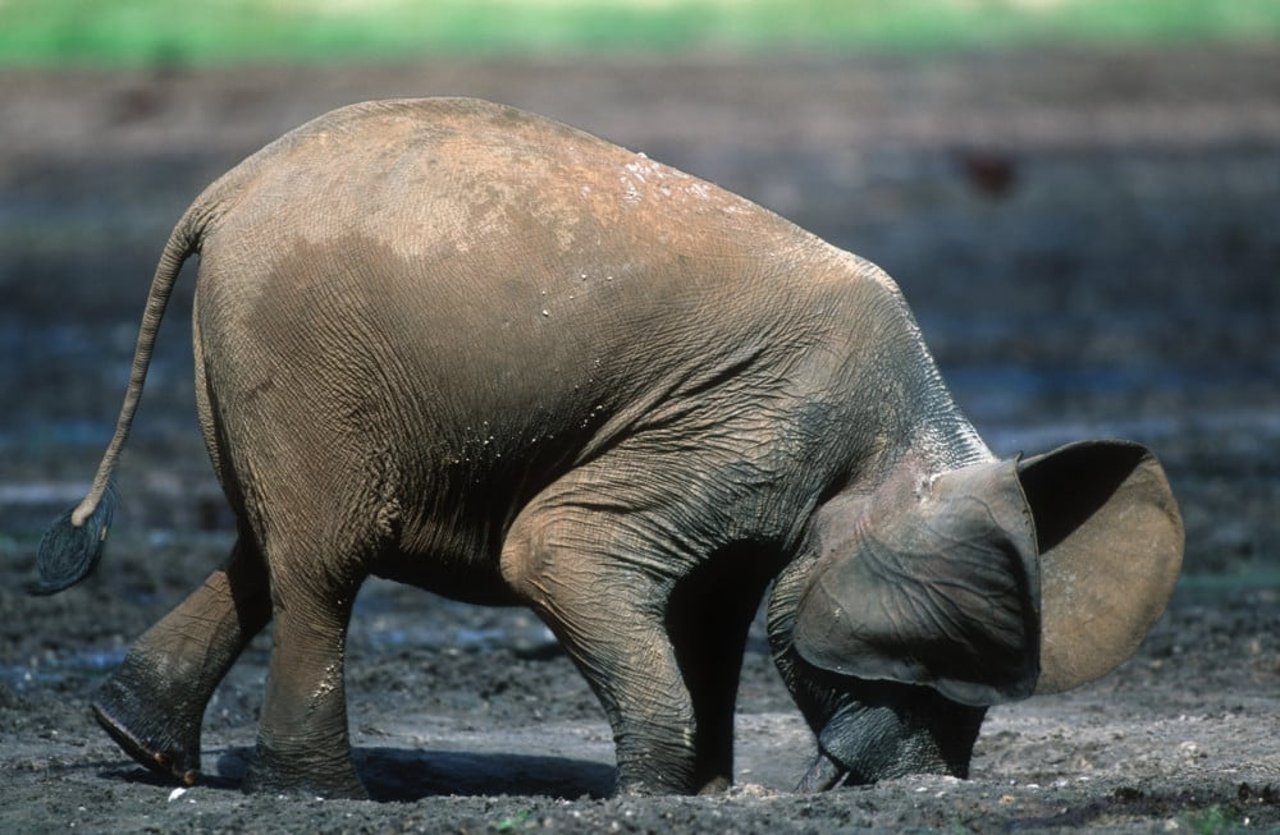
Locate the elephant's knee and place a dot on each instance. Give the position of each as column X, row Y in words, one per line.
column 514, row 562
column 528, row 554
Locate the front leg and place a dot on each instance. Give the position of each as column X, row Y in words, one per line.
column 632, row 668
column 577, row 569
column 708, row 618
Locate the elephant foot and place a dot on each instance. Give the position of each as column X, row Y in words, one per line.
column 138, row 715
column 272, row 772
column 633, row 782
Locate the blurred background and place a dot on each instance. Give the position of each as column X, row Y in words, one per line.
column 1079, row 198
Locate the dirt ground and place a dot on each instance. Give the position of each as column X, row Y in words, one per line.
column 1090, row 241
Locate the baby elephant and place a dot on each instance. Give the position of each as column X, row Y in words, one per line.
column 465, row 347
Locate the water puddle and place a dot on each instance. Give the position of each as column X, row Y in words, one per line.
column 58, row 668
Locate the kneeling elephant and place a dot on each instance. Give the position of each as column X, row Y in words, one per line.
column 465, row 347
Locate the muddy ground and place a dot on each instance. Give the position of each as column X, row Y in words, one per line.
column 1091, row 241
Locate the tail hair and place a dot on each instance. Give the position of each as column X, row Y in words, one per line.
column 69, row 552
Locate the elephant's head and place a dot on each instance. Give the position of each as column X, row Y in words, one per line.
column 914, row 607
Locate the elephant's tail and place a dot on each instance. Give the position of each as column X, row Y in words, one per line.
column 73, row 544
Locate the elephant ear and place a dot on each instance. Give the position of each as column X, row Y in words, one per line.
column 936, row 584
column 1001, row 579
column 1110, row 539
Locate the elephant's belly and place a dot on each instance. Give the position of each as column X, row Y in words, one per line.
column 481, row 584
column 451, row 559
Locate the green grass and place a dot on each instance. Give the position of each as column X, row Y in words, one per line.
column 203, row 32
column 1214, row 820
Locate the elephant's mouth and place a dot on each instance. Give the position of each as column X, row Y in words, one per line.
column 824, row 773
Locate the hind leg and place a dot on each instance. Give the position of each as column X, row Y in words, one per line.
column 153, row 705
column 303, row 741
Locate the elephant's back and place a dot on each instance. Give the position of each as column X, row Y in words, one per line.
column 436, row 179
column 491, row 244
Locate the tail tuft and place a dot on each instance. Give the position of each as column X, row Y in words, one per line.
column 69, row 553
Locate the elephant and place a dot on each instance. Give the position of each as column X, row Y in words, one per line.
column 472, row 349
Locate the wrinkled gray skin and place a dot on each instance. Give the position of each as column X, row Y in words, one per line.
column 468, row 348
